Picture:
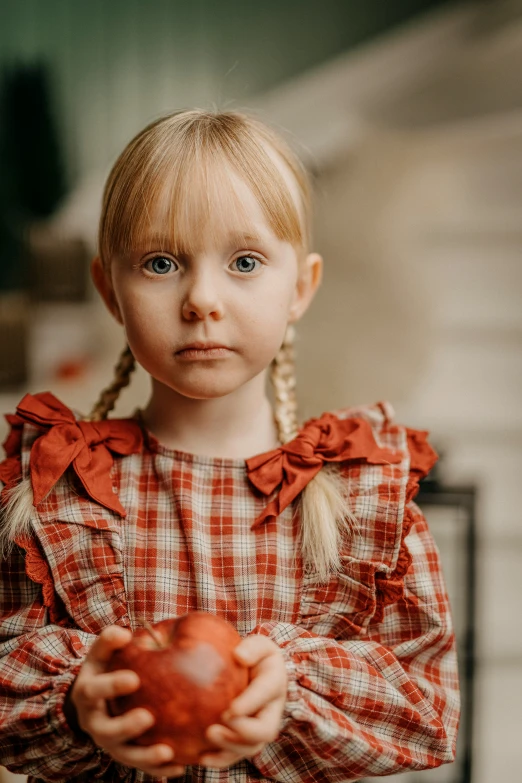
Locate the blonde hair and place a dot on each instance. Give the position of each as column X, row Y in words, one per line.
column 170, row 174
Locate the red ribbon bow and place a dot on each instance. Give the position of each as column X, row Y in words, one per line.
column 293, row 465
column 88, row 445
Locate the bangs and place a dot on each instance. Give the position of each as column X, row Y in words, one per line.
column 175, row 185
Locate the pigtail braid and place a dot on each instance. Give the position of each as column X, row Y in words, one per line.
column 325, row 513
column 108, row 397
column 282, row 375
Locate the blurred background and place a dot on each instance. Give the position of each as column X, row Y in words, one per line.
column 409, row 117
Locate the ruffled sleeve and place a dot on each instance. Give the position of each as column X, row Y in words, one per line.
column 371, row 662
column 383, row 463
column 40, row 653
column 45, row 441
column 422, row 458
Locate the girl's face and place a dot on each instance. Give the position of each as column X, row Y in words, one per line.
column 238, row 291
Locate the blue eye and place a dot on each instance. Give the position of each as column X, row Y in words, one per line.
column 160, row 264
column 245, row 263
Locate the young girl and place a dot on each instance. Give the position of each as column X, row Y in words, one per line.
column 305, row 537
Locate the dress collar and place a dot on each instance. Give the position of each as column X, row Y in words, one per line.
column 89, row 447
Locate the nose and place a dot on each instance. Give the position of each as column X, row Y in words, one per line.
column 202, row 298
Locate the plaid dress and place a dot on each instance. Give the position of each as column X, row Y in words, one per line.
column 124, row 529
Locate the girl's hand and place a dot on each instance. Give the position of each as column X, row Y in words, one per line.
column 89, row 694
column 254, row 717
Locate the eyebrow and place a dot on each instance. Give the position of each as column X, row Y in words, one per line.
column 236, row 237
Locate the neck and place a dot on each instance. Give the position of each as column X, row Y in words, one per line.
column 238, row 425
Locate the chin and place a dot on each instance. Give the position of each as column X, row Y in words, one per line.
column 206, row 383
column 209, row 392
column 208, row 389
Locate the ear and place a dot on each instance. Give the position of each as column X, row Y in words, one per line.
column 309, row 280
column 103, row 283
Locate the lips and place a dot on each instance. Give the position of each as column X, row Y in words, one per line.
column 200, row 351
column 199, row 346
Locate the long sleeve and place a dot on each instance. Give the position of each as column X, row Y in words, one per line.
column 43, row 641
column 38, row 662
column 382, row 703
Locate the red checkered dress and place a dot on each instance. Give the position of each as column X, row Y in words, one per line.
column 136, row 531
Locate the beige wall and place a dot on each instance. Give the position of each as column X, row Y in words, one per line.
column 368, row 335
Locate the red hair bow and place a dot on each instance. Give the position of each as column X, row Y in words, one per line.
column 88, row 445
column 293, row 465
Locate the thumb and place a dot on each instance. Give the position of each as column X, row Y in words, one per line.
column 111, row 638
column 252, row 649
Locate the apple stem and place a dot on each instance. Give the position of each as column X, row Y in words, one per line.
column 148, row 627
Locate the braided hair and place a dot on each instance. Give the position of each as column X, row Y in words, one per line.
column 323, row 505
column 108, row 397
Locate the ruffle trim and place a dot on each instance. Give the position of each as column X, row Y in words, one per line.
column 390, row 589
column 11, row 466
column 38, row 570
column 36, row 566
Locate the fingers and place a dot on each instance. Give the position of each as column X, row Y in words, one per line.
column 94, row 685
column 107, row 731
column 263, row 728
column 153, row 759
column 243, row 737
column 110, row 685
column 91, row 690
column 231, row 751
column 252, row 649
column 269, row 680
column 114, row 734
column 254, row 698
column 113, row 637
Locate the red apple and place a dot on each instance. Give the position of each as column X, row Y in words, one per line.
column 188, row 677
